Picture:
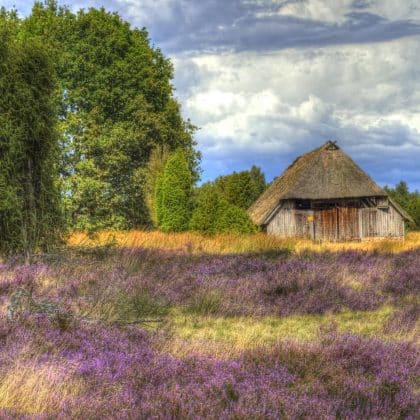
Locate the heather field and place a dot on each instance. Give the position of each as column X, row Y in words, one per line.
column 147, row 325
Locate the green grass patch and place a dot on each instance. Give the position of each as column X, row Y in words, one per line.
column 245, row 332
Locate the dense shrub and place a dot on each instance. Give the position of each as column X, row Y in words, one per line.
column 232, row 219
column 214, row 214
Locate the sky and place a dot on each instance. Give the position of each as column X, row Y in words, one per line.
column 268, row 80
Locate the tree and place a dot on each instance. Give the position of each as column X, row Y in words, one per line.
column 241, row 188
column 30, row 216
column 116, row 106
column 414, row 208
column 203, row 218
column 400, row 194
column 232, row 219
column 214, row 214
column 409, row 201
column 174, row 194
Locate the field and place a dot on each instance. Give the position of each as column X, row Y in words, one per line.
column 152, row 325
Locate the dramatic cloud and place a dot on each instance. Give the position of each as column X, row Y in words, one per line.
column 267, row 80
column 267, row 25
column 267, row 108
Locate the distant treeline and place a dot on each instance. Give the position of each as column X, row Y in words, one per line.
column 409, row 201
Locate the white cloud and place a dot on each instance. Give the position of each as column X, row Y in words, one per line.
column 395, row 10
column 267, row 108
column 331, row 11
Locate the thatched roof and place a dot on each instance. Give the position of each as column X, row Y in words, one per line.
column 322, row 174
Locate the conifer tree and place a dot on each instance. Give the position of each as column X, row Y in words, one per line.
column 30, row 217
column 174, row 194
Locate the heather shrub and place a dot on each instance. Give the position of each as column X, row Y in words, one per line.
column 106, row 369
column 339, row 376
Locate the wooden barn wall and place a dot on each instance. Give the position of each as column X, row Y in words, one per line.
column 382, row 223
column 336, row 224
column 283, row 222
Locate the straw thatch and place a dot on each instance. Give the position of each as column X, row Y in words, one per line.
column 325, row 173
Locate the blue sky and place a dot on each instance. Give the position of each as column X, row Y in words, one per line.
column 267, row 80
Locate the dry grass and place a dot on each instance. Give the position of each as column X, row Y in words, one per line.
column 222, row 336
column 230, row 244
column 28, row 388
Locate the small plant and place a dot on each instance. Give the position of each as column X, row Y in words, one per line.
column 207, row 303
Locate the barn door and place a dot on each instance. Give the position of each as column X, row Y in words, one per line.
column 369, row 223
column 326, row 224
column 348, row 224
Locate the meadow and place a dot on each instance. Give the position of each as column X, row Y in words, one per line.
column 152, row 325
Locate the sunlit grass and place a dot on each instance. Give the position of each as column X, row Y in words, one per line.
column 226, row 336
column 228, row 243
column 28, row 388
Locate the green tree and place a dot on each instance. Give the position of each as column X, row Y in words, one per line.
column 29, row 197
column 414, row 208
column 409, row 201
column 400, row 194
column 116, row 106
column 214, row 214
column 174, row 194
column 203, row 218
column 241, row 188
column 232, row 219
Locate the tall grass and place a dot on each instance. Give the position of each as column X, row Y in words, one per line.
column 195, row 243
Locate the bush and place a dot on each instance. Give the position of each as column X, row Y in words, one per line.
column 214, row 214
column 232, row 219
column 204, row 215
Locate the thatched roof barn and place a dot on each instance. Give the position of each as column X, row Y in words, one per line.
column 324, row 195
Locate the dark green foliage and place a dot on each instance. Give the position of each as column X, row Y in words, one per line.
column 204, row 215
column 155, row 166
column 409, row 201
column 241, row 188
column 116, row 105
column 30, row 217
column 232, row 219
column 174, row 194
column 214, row 214
column 220, row 206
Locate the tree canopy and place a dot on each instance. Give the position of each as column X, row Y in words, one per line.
column 115, row 103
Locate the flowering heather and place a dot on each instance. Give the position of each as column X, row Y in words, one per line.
column 81, row 361
column 117, row 372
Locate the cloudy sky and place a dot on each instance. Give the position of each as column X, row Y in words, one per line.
column 267, row 80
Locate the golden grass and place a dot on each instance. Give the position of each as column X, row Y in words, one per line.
column 30, row 389
column 231, row 244
column 226, row 337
